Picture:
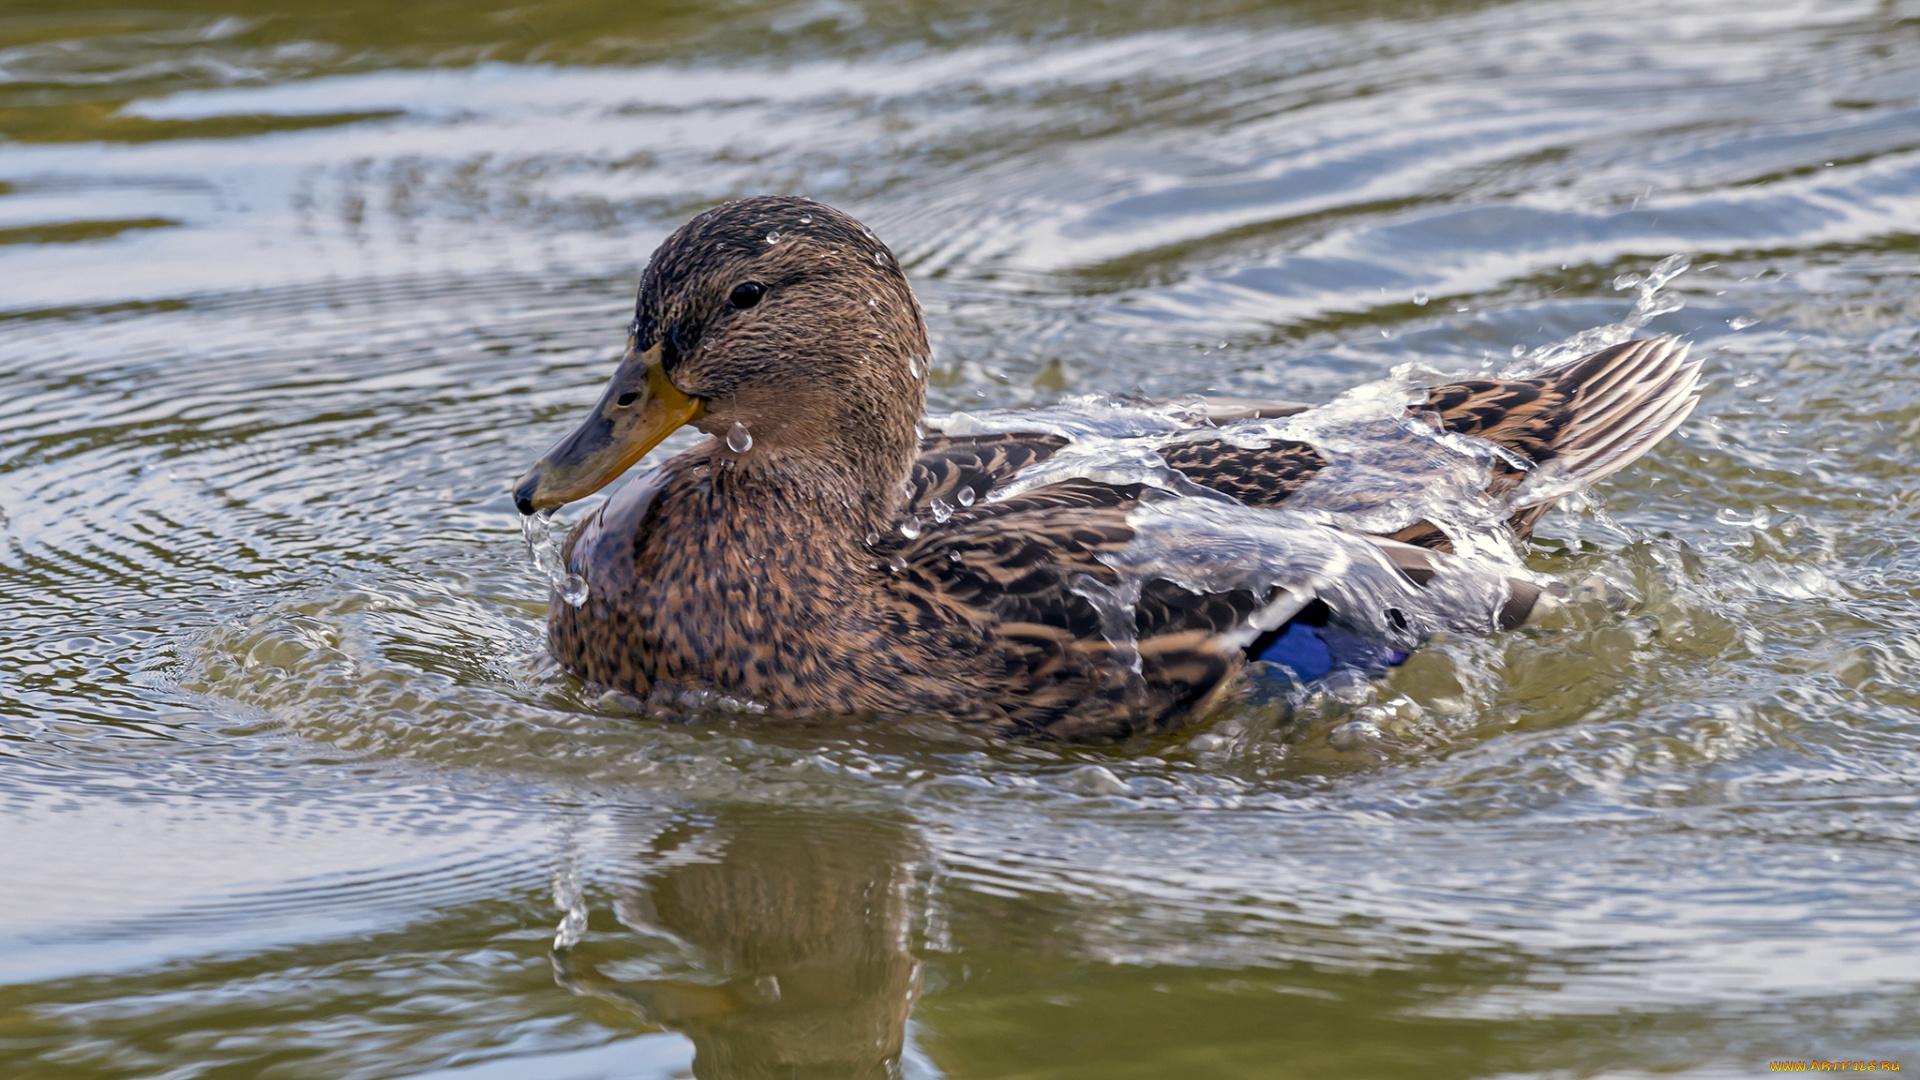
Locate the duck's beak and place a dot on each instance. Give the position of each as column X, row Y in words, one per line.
column 640, row 408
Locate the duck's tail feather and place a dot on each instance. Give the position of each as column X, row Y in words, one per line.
column 1576, row 423
column 1622, row 401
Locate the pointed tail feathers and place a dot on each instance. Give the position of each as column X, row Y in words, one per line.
column 1623, row 400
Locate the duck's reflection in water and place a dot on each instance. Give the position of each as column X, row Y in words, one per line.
column 796, row 928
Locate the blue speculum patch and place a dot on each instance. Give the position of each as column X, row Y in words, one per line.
column 1314, row 652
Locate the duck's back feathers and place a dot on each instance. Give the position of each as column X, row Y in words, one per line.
column 1570, row 425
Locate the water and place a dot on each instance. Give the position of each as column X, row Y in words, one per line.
column 1649, row 303
column 288, row 299
column 546, row 543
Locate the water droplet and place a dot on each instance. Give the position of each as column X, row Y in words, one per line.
column 1519, row 351
column 545, row 542
column 880, row 257
column 1742, row 322
column 953, row 555
column 1420, row 299
column 739, row 439
column 1355, row 735
column 873, row 301
column 806, row 219
column 1625, row 282
column 1669, row 268
column 910, row 528
column 566, row 897
column 965, row 496
column 873, row 538
column 773, row 237
column 897, row 563
column 942, row 511
column 1096, row 780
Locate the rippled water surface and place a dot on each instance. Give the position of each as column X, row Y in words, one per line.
column 287, row 299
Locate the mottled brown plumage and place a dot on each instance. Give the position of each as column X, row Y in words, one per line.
column 843, row 563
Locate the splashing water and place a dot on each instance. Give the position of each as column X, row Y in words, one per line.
column 1211, row 547
column 1385, row 470
column 1649, row 303
column 544, row 543
column 573, row 907
column 1108, row 440
column 1081, row 417
column 1119, row 462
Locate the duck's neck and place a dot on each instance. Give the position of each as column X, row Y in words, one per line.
column 837, row 468
column 810, row 505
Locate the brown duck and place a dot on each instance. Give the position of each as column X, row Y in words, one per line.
column 821, row 554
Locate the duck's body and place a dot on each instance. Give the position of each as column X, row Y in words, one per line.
column 834, row 561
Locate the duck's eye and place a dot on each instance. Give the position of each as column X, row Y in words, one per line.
column 747, row 295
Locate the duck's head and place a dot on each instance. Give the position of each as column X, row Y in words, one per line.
column 777, row 314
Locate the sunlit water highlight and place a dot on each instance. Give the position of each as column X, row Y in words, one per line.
column 289, row 299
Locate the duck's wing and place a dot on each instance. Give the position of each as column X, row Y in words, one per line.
column 1020, row 574
column 1094, row 616
column 1110, row 612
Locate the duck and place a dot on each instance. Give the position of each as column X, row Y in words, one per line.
column 1092, row 573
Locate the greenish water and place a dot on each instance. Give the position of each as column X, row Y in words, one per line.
column 286, row 300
